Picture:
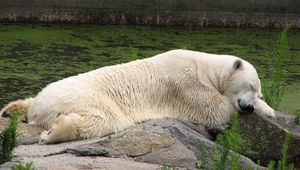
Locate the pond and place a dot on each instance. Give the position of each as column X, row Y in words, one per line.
column 32, row 56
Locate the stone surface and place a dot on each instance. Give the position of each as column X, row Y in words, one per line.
column 145, row 146
column 71, row 162
column 27, row 134
column 270, row 132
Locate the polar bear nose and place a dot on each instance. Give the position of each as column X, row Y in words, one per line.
column 245, row 107
column 249, row 108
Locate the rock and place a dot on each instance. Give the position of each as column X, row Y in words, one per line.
column 148, row 145
column 177, row 155
column 267, row 135
column 88, row 150
column 72, row 162
column 26, row 133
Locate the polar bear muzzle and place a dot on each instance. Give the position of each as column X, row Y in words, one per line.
column 246, row 107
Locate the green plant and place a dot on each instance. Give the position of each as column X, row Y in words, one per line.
column 297, row 119
column 274, row 89
column 217, row 162
column 283, row 162
column 271, row 165
column 26, row 166
column 230, row 139
column 200, row 164
column 8, row 139
column 234, row 164
column 167, row 167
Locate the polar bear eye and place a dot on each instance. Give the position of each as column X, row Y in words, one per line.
column 251, row 87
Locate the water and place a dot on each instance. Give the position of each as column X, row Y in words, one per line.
column 32, row 56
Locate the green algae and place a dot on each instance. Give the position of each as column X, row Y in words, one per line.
column 31, row 56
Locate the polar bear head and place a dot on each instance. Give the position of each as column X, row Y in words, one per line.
column 243, row 88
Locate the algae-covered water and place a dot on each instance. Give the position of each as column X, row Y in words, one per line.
column 31, row 56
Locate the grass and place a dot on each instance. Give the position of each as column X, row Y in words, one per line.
column 297, row 119
column 273, row 91
column 26, row 166
column 32, row 56
column 222, row 157
column 8, row 139
column 283, row 162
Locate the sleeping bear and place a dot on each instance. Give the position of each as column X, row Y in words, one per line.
column 181, row 84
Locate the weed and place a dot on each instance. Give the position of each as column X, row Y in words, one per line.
column 274, row 89
column 283, row 163
column 200, row 164
column 167, row 167
column 229, row 140
column 217, row 162
column 297, row 119
column 8, row 139
column 234, row 164
column 271, row 165
column 26, row 166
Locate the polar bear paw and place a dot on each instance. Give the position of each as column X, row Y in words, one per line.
column 270, row 113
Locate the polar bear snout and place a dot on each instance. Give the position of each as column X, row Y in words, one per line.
column 246, row 107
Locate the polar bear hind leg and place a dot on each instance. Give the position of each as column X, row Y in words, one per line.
column 63, row 129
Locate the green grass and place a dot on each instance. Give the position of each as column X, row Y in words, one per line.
column 229, row 140
column 8, row 139
column 26, row 166
column 273, row 90
column 283, row 163
column 32, row 56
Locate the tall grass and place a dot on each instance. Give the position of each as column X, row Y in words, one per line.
column 222, row 158
column 8, row 139
column 283, row 162
column 273, row 90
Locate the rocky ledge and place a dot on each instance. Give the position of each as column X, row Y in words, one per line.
column 152, row 144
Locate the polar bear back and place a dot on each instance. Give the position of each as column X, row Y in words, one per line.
column 179, row 84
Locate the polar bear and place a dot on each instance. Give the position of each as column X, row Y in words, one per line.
column 182, row 84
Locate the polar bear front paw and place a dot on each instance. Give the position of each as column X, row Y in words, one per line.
column 264, row 109
column 270, row 113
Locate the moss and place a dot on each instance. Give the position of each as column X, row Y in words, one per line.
column 34, row 55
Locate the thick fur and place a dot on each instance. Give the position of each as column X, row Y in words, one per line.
column 178, row 84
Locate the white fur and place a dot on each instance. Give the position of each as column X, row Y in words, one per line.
column 178, row 84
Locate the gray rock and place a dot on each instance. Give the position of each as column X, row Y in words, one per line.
column 26, row 133
column 267, row 135
column 72, row 162
column 88, row 150
column 177, row 155
column 145, row 146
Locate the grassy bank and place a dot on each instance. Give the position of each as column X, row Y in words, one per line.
column 34, row 55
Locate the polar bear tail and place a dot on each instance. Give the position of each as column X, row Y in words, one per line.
column 20, row 106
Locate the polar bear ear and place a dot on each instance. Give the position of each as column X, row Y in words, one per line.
column 237, row 64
